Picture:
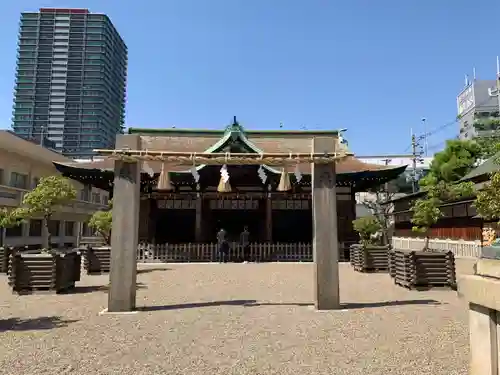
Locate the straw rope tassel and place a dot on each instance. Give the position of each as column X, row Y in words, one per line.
column 224, row 185
column 284, row 184
column 164, row 179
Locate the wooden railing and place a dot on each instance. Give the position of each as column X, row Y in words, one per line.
column 208, row 252
column 460, row 248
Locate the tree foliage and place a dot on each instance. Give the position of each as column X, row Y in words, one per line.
column 10, row 218
column 457, row 159
column 50, row 194
column 489, row 146
column 366, row 227
column 442, row 183
column 487, row 201
column 102, row 222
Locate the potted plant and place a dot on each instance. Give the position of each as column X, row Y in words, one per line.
column 98, row 259
column 45, row 269
column 370, row 255
column 8, row 219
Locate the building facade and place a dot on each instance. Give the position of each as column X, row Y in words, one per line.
column 70, row 80
column 22, row 164
column 477, row 103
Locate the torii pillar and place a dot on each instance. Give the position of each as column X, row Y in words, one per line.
column 325, row 236
column 125, row 233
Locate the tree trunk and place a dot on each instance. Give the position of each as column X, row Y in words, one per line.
column 426, row 243
column 46, row 236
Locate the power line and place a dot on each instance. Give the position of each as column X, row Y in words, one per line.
column 444, row 126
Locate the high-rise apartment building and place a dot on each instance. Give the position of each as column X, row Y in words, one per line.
column 477, row 104
column 70, row 80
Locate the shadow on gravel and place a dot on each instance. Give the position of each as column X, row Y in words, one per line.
column 33, row 324
column 195, row 305
column 97, row 288
column 152, row 269
column 254, row 303
column 359, row 305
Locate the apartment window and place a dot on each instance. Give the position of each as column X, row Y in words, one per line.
column 54, row 227
column 69, row 228
column 18, row 180
column 1, row 176
column 35, row 228
column 96, row 198
column 14, row 231
column 85, row 193
column 36, row 180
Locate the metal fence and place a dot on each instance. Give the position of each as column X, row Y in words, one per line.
column 208, row 252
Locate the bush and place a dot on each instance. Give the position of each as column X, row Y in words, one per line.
column 367, row 227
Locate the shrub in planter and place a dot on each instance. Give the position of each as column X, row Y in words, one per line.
column 370, row 256
column 32, row 271
column 424, row 269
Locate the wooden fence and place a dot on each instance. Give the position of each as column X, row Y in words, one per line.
column 208, row 252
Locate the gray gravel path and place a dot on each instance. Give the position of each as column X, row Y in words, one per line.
column 235, row 319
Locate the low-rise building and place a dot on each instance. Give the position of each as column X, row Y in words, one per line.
column 22, row 164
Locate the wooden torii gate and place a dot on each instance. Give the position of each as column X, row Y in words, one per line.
column 129, row 156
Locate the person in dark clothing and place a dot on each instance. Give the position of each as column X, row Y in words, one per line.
column 223, row 245
column 245, row 243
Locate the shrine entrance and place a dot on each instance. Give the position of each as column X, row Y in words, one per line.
column 233, row 215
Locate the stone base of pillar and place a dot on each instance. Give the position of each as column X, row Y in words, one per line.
column 482, row 291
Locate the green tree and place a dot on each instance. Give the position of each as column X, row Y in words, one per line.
column 9, row 218
column 488, row 199
column 454, row 162
column 50, row 194
column 102, row 222
column 366, row 227
column 489, row 146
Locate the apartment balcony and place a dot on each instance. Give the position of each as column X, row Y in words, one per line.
column 13, row 197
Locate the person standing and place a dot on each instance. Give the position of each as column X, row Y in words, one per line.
column 223, row 245
column 245, row 244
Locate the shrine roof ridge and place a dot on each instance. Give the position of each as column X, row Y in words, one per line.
column 221, row 132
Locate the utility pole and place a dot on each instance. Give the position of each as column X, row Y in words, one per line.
column 416, row 157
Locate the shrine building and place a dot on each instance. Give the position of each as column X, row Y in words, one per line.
column 196, row 202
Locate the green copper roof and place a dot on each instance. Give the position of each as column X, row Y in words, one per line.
column 233, row 127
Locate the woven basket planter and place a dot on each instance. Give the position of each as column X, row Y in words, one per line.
column 370, row 258
column 31, row 272
column 424, row 270
column 97, row 260
column 391, row 254
column 4, row 258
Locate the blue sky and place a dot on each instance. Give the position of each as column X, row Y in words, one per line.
column 374, row 67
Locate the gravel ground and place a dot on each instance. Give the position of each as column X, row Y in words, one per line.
column 235, row 319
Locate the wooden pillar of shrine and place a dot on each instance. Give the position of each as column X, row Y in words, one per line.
column 325, row 236
column 198, row 233
column 269, row 218
column 125, row 234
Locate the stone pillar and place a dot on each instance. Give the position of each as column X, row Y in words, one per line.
column 125, row 234
column 198, row 230
column 325, row 237
column 482, row 291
